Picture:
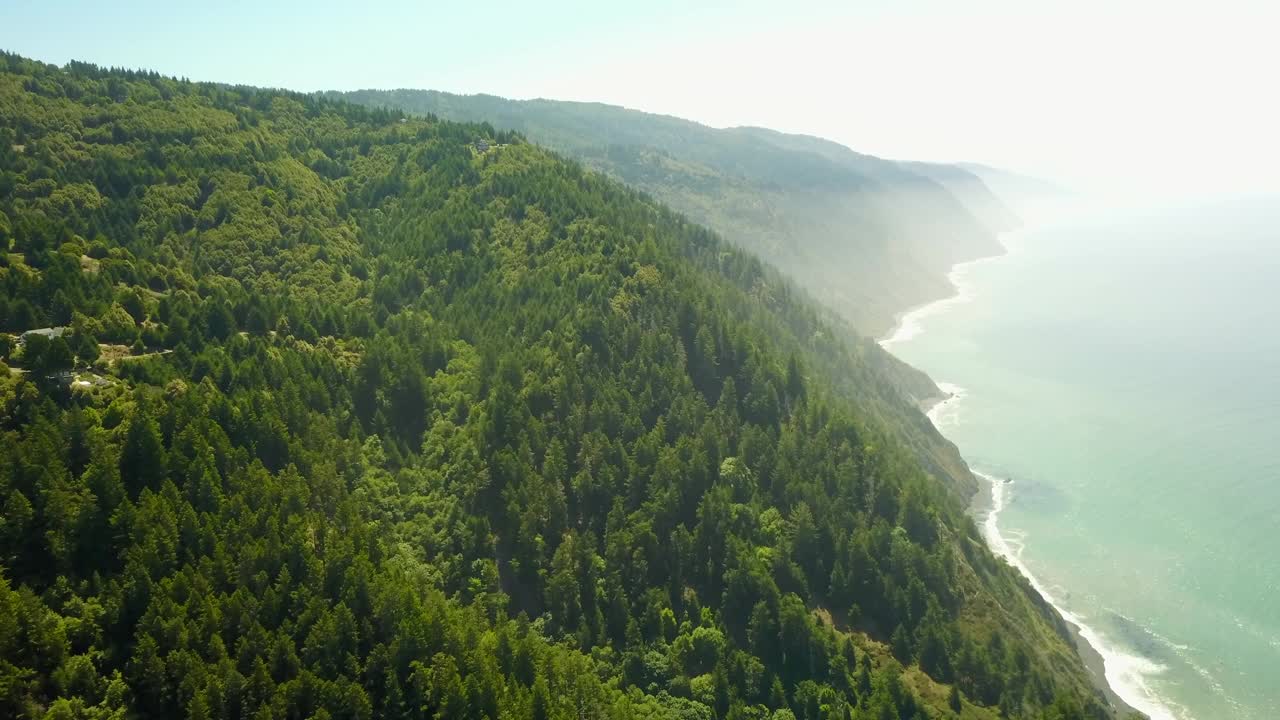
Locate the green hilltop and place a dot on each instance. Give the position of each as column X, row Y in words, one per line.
column 868, row 237
column 350, row 414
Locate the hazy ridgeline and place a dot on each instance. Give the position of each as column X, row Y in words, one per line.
column 868, row 237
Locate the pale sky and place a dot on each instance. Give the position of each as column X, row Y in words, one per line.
column 1135, row 96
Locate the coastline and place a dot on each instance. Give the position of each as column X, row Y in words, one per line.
column 988, row 503
column 1126, row 671
column 1097, row 667
column 986, row 508
column 906, row 324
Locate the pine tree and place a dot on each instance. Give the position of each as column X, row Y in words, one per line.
column 142, row 459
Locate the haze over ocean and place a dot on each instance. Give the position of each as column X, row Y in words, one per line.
column 1122, row 372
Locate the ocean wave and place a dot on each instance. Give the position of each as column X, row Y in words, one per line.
column 1128, row 674
column 911, row 323
column 946, row 412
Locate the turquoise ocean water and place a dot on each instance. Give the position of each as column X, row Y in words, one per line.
column 1117, row 375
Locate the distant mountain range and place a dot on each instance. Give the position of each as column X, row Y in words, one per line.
column 1029, row 196
column 867, row 236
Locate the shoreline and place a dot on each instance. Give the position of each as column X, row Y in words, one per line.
column 1089, row 645
column 986, row 507
column 906, row 323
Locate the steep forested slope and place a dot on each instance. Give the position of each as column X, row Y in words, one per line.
column 869, row 237
column 364, row 421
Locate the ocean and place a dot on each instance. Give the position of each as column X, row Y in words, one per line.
column 1116, row 377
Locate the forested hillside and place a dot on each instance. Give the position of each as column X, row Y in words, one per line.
column 344, row 414
column 868, row 237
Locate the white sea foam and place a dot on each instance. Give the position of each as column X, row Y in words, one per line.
column 1129, row 675
column 1184, row 652
column 946, row 412
column 911, row 323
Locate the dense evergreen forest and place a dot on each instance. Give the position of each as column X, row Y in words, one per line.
column 869, row 237
column 338, row 413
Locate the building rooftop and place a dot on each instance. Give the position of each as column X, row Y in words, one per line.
column 49, row 332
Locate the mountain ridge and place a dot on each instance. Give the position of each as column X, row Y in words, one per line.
column 389, row 421
column 867, row 236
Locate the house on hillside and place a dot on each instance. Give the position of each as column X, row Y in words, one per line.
column 64, row 377
column 49, row 332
